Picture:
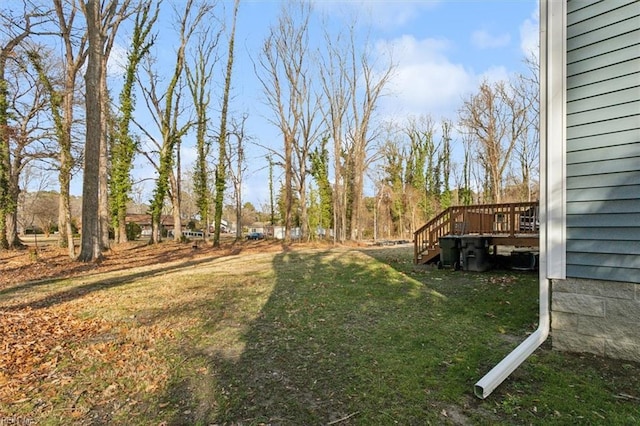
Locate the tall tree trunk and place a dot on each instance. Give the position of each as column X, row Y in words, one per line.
column 4, row 160
column 64, row 122
column 222, row 135
column 124, row 146
column 65, row 228
column 12, row 230
column 357, row 196
column 239, row 213
column 109, row 21
column 175, row 200
column 91, row 247
column 11, row 216
column 4, row 212
column 288, row 185
column 120, row 233
column 12, row 213
column 103, row 173
column 339, row 212
column 304, row 217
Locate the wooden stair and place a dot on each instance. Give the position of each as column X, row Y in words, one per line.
column 508, row 223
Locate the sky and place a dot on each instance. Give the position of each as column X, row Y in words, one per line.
column 442, row 50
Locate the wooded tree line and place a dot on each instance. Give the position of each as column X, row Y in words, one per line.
column 323, row 98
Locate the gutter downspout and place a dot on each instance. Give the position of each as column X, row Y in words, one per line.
column 504, row 368
column 552, row 175
column 496, row 376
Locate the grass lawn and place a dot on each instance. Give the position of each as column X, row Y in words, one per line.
column 297, row 337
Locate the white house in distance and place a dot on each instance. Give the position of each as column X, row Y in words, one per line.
column 590, row 183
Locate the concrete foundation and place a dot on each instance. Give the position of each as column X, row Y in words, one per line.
column 599, row 317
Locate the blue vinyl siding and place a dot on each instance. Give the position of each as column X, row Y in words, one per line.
column 603, row 140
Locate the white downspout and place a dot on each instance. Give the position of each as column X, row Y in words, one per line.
column 496, row 376
column 504, row 368
column 552, row 184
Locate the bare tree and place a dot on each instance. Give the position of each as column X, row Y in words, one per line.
column 63, row 102
column 200, row 74
column 237, row 165
column 366, row 83
column 526, row 88
column 398, row 197
column 309, row 136
column 353, row 83
column 15, row 29
column 496, row 120
column 41, row 211
column 30, row 137
column 422, row 171
column 284, row 74
column 335, row 86
column 444, row 161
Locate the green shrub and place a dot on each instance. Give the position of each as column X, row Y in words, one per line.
column 133, row 231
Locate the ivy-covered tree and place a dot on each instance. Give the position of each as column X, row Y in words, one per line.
column 319, row 170
column 419, row 132
column 166, row 108
column 393, row 190
column 221, row 177
column 124, row 144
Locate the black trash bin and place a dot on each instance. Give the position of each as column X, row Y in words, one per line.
column 524, row 260
column 475, row 253
column 449, row 252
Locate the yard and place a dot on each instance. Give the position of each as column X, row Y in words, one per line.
column 260, row 333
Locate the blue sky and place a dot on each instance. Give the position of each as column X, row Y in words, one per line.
column 443, row 50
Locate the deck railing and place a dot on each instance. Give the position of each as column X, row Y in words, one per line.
column 506, row 219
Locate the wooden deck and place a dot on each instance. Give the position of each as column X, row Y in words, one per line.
column 508, row 224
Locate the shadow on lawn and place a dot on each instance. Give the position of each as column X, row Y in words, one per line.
column 82, row 290
column 341, row 339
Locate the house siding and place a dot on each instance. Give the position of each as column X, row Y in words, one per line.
column 596, row 308
column 603, row 141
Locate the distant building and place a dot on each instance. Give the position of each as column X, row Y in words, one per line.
column 144, row 221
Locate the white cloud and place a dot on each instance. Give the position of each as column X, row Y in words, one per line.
column 530, row 34
column 384, row 15
column 495, row 74
column 483, row 40
column 426, row 81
